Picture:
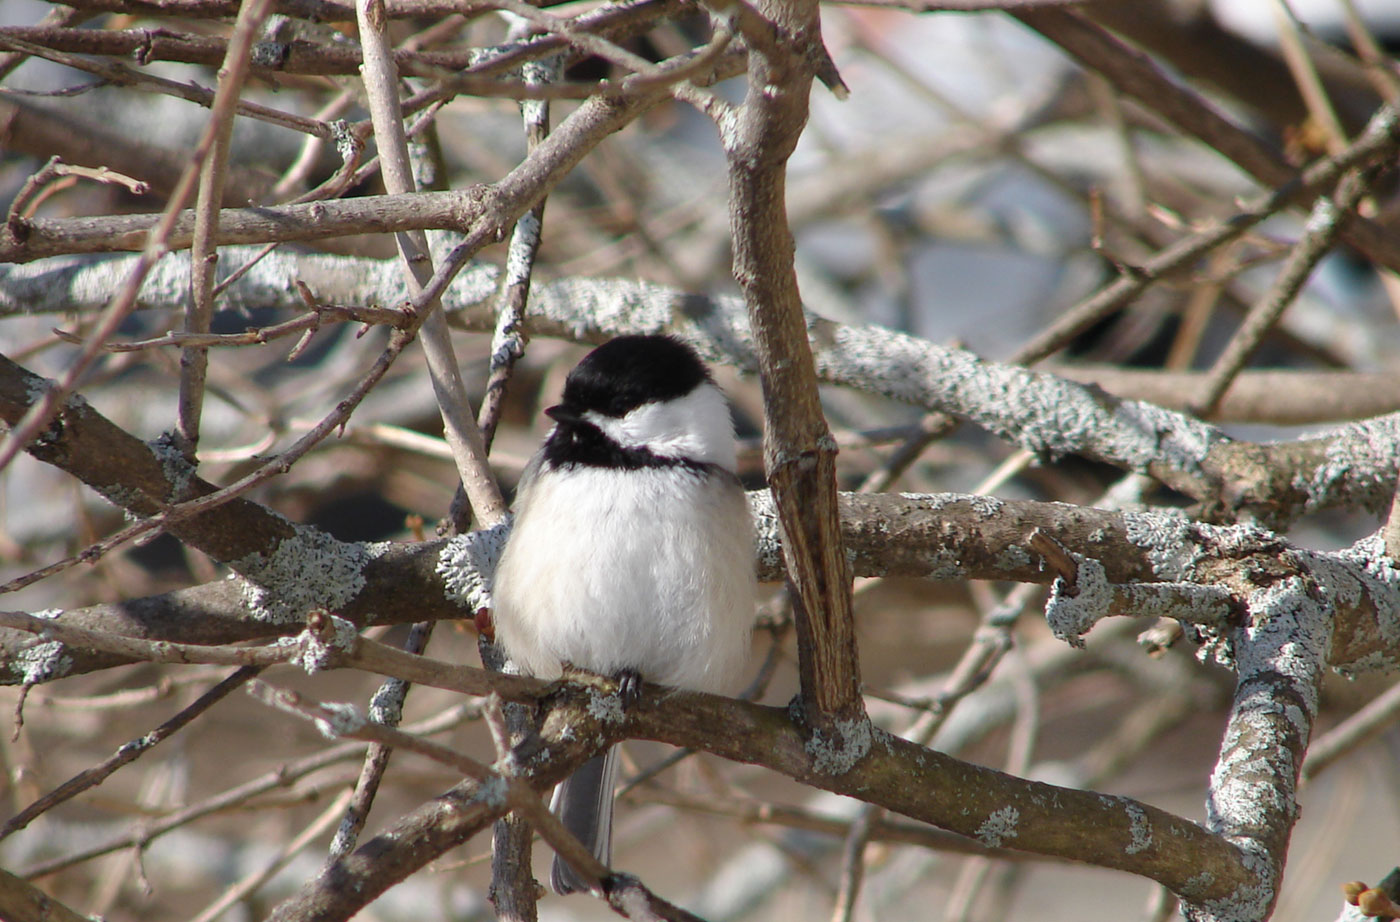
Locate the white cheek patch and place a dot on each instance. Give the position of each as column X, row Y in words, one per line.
column 696, row 427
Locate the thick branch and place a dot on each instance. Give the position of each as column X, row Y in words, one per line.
column 799, row 453
column 995, row 808
column 1356, row 465
column 940, row 537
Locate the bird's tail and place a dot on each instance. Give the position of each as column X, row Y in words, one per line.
column 584, row 804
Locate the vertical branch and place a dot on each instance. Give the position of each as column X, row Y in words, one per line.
column 1279, row 656
column 508, row 342
column 459, row 423
column 385, row 708
column 514, row 892
column 799, row 452
column 204, row 256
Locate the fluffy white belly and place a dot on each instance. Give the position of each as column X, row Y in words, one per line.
column 634, row 571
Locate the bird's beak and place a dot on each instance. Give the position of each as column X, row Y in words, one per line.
column 562, row 414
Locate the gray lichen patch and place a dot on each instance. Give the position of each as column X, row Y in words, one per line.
column 494, row 792
column 1359, row 468
column 467, row 565
column 1251, row 901
column 1289, row 636
column 999, row 826
column 174, row 466
column 1166, row 537
column 1043, row 413
column 1071, row 612
column 1139, row 829
column 837, row 753
column 768, row 542
column 1379, row 577
column 605, row 708
column 315, row 654
column 342, row 720
column 42, row 662
column 386, row 704
column 310, row 569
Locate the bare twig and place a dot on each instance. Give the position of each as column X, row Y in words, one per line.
column 121, row 75
column 1382, row 134
column 32, row 193
column 460, row 428
column 155, row 246
column 281, row 777
column 204, row 258
column 258, row 336
column 1138, row 77
column 1310, row 87
column 255, row 880
column 1358, row 729
column 386, row 707
column 509, row 339
column 1326, row 222
column 128, row 753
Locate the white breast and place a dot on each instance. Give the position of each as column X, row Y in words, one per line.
column 649, row 569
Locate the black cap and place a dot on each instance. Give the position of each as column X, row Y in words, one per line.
column 626, row 372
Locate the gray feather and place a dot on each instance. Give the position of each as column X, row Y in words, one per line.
column 584, row 804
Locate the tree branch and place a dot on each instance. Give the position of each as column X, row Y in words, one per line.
column 799, row 453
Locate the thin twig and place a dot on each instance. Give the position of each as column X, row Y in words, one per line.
column 252, row 882
column 221, row 113
column 281, row 777
column 204, row 257
column 1295, row 54
column 1379, row 138
column 1358, row 729
column 57, row 16
column 460, row 428
column 32, row 193
column 509, row 340
column 386, row 707
column 1323, row 227
column 130, row 752
column 514, row 892
column 120, row 75
column 259, row 336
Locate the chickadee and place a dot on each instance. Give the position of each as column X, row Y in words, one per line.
column 632, row 550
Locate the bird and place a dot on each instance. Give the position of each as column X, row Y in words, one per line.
column 631, row 551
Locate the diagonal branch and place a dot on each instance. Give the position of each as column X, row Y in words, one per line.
column 1136, row 75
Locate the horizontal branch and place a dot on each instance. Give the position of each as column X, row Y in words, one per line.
column 994, row 808
column 935, row 536
column 330, row 58
column 1355, row 465
column 314, row 10
column 1279, row 396
column 37, row 238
